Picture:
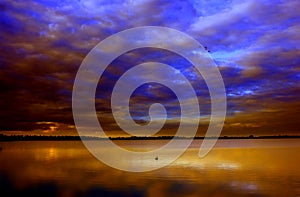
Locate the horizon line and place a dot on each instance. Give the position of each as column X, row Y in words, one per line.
column 4, row 137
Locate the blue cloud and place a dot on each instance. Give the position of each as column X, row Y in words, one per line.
column 254, row 43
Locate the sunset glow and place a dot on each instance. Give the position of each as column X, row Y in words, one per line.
column 254, row 43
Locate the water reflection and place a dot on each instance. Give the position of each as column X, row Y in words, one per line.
column 248, row 168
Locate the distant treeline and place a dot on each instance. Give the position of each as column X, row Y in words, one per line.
column 75, row 138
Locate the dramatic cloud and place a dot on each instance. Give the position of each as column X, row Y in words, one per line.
column 254, row 43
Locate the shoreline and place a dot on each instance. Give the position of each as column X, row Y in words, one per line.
column 7, row 138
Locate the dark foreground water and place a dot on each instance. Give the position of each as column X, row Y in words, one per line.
column 260, row 167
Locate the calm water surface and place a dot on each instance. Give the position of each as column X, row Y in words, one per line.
column 260, row 167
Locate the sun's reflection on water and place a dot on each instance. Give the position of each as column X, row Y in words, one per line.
column 233, row 171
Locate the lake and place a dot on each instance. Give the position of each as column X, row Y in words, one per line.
column 238, row 167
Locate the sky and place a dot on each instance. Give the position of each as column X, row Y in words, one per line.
column 255, row 45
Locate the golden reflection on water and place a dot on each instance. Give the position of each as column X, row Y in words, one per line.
column 233, row 168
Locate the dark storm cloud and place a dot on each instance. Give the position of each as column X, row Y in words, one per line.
column 254, row 43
